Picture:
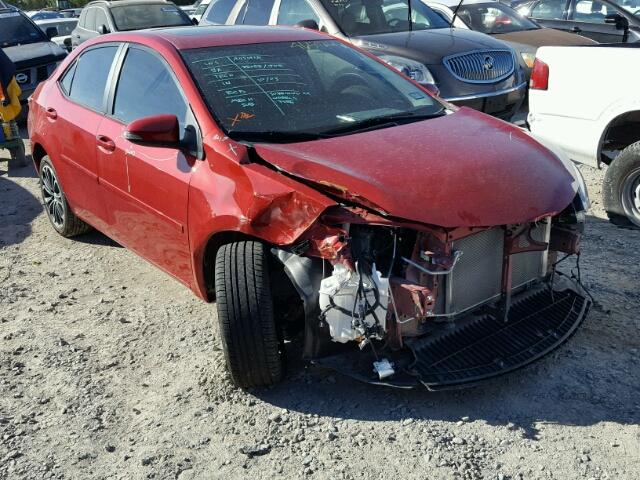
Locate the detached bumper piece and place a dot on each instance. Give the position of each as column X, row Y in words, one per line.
column 486, row 346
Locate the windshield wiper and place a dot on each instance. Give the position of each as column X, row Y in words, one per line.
column 377, row 122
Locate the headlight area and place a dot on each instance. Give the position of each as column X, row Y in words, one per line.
column 406, row 304
column 416, row 71
column 528, row 58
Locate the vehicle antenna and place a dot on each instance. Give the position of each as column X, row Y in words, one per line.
column 455, row 13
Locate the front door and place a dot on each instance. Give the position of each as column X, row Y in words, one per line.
column 589, row 17
column 146, row 188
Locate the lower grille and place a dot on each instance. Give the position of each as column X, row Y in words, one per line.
column 487, row 346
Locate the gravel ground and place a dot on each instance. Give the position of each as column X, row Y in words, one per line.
column 111, row 369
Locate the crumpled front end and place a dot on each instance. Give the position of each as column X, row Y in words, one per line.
column 405, row 304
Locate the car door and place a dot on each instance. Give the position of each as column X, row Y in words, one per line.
column 551, row 14
column 74, row 113
column 588, row 17
column 146, row 187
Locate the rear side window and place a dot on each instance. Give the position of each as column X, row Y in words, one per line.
column 89, row 77
column 255, row 12
column 219, row 11
column 146, row 87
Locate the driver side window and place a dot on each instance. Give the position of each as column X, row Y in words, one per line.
column 591, row 12
column 145, row 88
column 294, row 11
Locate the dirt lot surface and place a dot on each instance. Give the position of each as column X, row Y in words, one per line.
column 110, row 369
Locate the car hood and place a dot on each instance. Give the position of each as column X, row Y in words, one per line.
column 543, row 37
column 31, row 54
column 428, row 46
column 459, row 170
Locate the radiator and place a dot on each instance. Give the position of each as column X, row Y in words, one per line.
column 477, row 277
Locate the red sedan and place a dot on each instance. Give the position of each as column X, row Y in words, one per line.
column 315, row 193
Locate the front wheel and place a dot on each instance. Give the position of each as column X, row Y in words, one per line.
column 63, row 220
column 621, row 188
column 252, row 347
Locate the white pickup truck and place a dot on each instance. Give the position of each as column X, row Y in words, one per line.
column 586, row 100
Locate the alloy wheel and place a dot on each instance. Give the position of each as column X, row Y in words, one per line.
column 53, row 197
column 631, row 196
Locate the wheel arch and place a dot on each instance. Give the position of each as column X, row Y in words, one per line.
column 207, row 265
column 37, row 153
column 621, row 131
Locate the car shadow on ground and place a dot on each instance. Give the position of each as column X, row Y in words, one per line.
column 592, row 378
column 95, row 237
column 18, row 207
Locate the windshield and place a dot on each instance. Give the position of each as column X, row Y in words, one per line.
column 138, row 17
column 17, row 30
column 64, row 28
column 494, row 18
column 288, row 90
column 631, row 6
column 369, row 17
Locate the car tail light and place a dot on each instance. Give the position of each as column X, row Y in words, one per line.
column 539, row 76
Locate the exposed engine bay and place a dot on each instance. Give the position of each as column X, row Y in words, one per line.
column 396, row 303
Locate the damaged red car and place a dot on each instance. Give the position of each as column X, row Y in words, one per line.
column 315, row 193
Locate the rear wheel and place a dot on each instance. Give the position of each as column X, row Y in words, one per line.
column 621, row 188
column 63, row 220
column 252, row 347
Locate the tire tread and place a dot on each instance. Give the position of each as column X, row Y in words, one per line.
column 245, row 314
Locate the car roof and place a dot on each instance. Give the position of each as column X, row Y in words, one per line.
column 184, row 38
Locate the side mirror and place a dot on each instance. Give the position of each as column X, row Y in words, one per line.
column 51, row 32
column 310, row 24
column 157, row 130
column 103, row 30
column 195, row 21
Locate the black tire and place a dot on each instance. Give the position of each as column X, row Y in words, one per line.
column 252, row 346
column 18, row 156
column 621, row 188
column 62, row 218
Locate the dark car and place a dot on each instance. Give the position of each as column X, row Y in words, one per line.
column 314, row 192
column 103, row 16
column 602, row 20
column 502, row 22
column 29, row 48
column 467, row 68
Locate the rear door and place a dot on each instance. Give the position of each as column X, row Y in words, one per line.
column 588, row 17
column 146, row 187
column 74, row 114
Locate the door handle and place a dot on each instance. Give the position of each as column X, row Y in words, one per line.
column 51, row 113
column 576, row 29
column 105, row 143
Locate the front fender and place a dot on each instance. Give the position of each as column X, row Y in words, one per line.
column 251, row 200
